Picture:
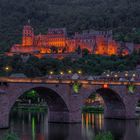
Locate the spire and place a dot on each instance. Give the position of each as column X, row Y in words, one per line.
column 29, row 21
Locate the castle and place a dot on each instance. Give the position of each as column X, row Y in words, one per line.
column 57, row 41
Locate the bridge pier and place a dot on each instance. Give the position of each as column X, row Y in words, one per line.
column 116, row 111
column 4, row 116
column 4, row 120
column 114, row 114
column 4, row 111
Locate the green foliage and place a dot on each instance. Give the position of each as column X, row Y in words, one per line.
column 78, row 50
column 35, row 108
column 122, row 16
column 91, row 109
column 104, row 136
column 76, row 87
column 131, row 88
column 85, row 52
column 31, row 94
column 93, row 96
column 88, row 64
column 10, row 136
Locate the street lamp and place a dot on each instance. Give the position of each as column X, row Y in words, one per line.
column 51, row 72
column 126, row 74
column 134, row 75
column 79, row 72
column 69, row 71
column 107, row 75
column 116, row 75
column 61, row 72
column 7, row 69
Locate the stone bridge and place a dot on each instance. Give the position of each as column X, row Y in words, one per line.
column 65, row 102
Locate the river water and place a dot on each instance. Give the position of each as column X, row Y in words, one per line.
column 35, row 126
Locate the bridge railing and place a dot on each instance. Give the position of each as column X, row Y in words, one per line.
column 66, row 81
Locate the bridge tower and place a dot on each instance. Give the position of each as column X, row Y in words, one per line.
column 27, row 35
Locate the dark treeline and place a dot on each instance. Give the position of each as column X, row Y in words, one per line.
column 88, row 64
column 122, row 16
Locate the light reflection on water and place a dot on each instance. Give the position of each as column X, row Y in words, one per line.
column 35, row 126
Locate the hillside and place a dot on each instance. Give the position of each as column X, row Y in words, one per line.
column 122, row 16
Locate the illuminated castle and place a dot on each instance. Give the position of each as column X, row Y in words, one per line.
column 56, row 41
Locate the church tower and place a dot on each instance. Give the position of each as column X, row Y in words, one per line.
column 27, row 35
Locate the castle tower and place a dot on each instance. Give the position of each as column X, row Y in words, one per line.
column 27, row 35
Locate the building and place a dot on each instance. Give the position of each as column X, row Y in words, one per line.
column 56, row 41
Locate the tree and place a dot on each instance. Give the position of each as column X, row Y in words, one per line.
column 54, row 49
column 32, row 96
column 76, row 15
column 85, row 52
column 78, row 50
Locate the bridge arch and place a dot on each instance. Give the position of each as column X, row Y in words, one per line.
column 114, row 104
column 58, row 110
column 65, row 105
column 56, row 97
column 54, row 100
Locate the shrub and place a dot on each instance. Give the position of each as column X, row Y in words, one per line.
column 92, row 109
column 104, row 136
column 10, row 136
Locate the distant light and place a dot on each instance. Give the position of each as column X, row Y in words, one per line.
column 61, row 72
column 7, row 68
column 116, row 75
column 69, row 71
column 107, row 75
column 105, row 86
column 51, row 72
column 79, row 72
column 126, row 74
column 134, row 75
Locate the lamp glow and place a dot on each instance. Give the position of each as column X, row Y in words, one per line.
column 126, row 74
column 79, row 72
column 61, row 72
column 134, row 75
column 69, row 71
column 51, row 72
column 105, row 86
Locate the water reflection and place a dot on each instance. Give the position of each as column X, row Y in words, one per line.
column 35, row 126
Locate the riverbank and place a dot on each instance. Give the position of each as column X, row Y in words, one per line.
column 31, row 108
column 92, row 109
column 100, row 136
column 40, row 108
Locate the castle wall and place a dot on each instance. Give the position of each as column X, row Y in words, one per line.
column 98, row 42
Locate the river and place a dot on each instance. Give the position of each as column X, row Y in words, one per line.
column 35, row 126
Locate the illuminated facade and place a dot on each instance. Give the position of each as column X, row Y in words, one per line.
column 56, row 41
column 27, row 36
column 96, row 101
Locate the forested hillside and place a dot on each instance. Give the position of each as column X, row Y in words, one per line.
column 122, row 16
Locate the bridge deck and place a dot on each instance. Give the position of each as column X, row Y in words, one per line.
column 64, row 81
